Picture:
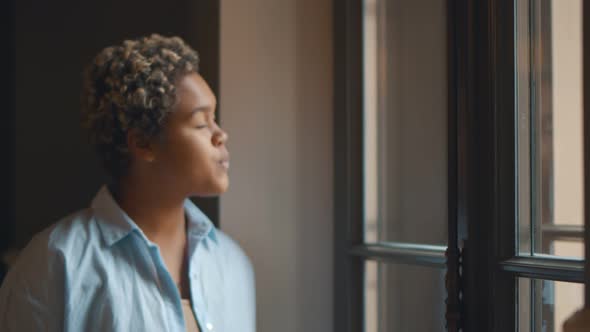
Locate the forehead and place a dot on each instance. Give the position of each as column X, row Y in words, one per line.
column 193, row 92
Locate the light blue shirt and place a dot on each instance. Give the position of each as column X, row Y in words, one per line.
column 95, row 270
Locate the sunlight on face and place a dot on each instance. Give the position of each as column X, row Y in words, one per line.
column 193, row 151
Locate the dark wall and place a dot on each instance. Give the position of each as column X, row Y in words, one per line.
column 7, row 91
column 56, row 173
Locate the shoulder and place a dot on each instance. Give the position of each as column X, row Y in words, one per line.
column 240, row 285
column 64, row 238
column 233, row 254
column 35, row 285
column 47, row 252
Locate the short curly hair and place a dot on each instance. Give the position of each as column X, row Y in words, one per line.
column 132, row 86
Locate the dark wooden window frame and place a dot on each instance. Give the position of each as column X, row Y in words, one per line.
column 350, row 249
column 482, row 263
column 586, row 103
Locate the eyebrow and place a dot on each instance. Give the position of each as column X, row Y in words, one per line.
column 202, row 109
column 199, row 109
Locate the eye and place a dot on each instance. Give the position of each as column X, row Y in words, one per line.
column 202, row 126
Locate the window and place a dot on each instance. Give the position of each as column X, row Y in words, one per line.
column 404, row 143
column 459, row 165
column 387, row 191
column 549, row 152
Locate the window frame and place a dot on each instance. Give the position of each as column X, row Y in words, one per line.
column 493, row 264
column 348, row 189
column 586, row 103
column 481, row 179
column 350, row 251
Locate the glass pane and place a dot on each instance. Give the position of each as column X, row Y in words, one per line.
column 403, row 298
column 549, row 124
column 405, row 121
column 544, row 305
column 524, row 305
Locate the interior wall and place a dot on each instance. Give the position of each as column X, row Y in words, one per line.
column 276, row 95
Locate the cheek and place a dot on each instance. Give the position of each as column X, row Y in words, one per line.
column 192, row 154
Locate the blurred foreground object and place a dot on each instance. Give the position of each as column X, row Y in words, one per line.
column 578, row 322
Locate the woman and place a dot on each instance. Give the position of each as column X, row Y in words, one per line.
column 142, row 257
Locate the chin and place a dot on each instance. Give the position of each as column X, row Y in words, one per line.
column 216, row 189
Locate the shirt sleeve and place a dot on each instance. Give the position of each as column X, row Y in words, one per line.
column 252, row 294
column 31, row 296
column 243, row 280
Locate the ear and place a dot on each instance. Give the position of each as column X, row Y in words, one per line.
column 139, row 148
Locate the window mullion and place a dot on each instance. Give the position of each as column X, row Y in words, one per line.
column 545, row 267
column 586, row 87
column 425, row 255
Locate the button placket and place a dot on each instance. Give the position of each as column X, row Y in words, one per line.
column 173, row 310
column 196, row 294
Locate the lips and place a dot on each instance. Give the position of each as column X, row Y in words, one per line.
column 224, row 162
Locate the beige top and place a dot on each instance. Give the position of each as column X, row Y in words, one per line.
column 183, row 288
column 189, row 317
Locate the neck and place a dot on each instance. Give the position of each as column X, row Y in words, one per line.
column 157, row 211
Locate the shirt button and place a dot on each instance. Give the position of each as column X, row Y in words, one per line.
column 209, row 326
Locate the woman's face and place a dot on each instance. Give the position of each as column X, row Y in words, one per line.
column 192, row 152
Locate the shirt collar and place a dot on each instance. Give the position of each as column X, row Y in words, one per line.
column 115, row 224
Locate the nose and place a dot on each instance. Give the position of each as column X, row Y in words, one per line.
column 219, row 137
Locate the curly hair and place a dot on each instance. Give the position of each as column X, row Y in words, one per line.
column 131, row 87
